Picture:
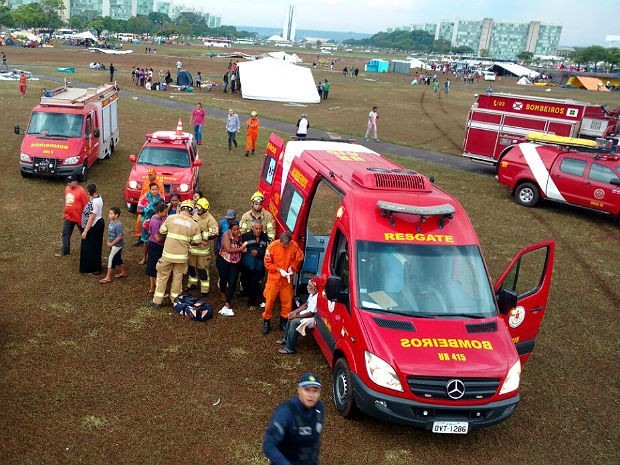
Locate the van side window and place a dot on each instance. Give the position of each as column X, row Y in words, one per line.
column 290, row 206
column 339, row 263
column 269, row 170
column 89, row 126
column 573, row 166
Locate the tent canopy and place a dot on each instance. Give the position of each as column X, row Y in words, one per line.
column 290, row 57
column 277, row 81
column 524, row 81
column 85, row 35
column 590, row 83
column 185, row 79
column 514, row 69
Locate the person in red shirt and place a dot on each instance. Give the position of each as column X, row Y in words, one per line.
column 75, row 200
column 197, row 119
column 23, row 83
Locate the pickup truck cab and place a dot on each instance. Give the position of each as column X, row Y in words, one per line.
column 408, row 319
column 174, row 156
column 586, row 179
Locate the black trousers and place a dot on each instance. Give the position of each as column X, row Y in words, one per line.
column 67, row 231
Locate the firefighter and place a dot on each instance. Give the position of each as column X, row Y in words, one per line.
column 283, row 259
column 200, row 254
column 258, row 213
column 152, row 177
column 252, row 133
column 180, row 230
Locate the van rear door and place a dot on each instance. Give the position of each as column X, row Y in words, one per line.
column 529, row 276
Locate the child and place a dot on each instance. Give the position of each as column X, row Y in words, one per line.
column 116, row 243
column 173, row 206
column 155, row 245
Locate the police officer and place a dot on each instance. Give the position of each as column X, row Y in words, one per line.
column 258, row 213
column 200, row 254
column 180, row 231
column 294, row 432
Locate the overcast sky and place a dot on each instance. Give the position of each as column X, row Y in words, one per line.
column 585, row 22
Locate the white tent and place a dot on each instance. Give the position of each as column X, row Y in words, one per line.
column 524, row 81
column 277, row 81
column 415, row 63
column 290, row 57
column 28, row 35
column 85, row 35
column 517, row 70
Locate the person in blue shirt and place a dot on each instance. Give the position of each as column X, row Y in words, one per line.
column 294, row 432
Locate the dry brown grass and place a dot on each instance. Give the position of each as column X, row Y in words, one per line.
column 92, row 375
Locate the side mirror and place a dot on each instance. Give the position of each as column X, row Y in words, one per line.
column 16, row 129
column 132, row 158
column 332, row 288
column 197, row 162
column 96, row 132
column 507, row 300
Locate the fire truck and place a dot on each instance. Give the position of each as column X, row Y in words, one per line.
column 174, row 157
column 69, row 130
column 565, row 170
column 497, row 122
column 408, row 318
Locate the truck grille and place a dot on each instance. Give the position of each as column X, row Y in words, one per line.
column 435, row 387
column 45, row 165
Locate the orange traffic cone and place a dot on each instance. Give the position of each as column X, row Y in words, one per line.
column 179, row 128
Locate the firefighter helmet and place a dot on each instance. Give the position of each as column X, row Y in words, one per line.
column 187, row 204
column 257, row 197
column 202, row 203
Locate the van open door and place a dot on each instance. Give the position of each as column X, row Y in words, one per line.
column 522, row 292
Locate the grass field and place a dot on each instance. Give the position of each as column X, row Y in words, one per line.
column 92, row 375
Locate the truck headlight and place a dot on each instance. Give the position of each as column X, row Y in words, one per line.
column 72, row 161
column 183, row 187
column 381, row 372
column 25, row 158
column 513, row 378
column 134, row 184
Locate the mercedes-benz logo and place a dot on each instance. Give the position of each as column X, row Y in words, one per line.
column 455, row 389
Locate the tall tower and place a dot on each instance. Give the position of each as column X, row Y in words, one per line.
column 289, row 24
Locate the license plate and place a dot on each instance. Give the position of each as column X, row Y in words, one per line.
column 450, row 427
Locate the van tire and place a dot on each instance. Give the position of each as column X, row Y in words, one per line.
column 84, row 173
column 343, row 388
column 527, row 194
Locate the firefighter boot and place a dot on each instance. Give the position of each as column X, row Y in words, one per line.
column 282, row 324
column 266, row 326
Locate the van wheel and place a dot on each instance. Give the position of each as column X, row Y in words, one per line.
column 343, row 388
column 84, row 173
column 527, row 194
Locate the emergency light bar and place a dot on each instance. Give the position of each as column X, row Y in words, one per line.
column 389, row 208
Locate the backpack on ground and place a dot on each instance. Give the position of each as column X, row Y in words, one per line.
column 192, row 307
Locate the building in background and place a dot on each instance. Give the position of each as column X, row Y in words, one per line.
column 500, row 38
column 288, row 32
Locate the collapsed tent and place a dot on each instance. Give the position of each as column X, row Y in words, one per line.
column 290, row 57
column 585, row 82
column 185, row 79
column 277, row 81
column 513, row 69
column 524, row 81
column 85, row 35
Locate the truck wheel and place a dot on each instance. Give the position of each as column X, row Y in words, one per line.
column 84, row 173
column 343, row 388
column 527, row 194
column 131, row 208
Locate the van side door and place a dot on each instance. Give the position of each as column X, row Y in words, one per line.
column 529, row 277
column 91, row 142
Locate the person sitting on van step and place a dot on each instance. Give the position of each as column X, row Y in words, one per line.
column 300, row 319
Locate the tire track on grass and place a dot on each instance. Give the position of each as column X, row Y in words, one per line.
column 446, row 135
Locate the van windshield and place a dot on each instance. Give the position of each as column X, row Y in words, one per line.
column 55, row 124
column 423, row 280
column 161, row 156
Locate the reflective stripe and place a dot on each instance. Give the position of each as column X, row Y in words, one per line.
column 159, row 294
column 192, row 279
column 163, row 229
column 540, row 172
column 195, row 251
column 173, row 296
column 180, row 237
column 174, row 256
column 195, row 238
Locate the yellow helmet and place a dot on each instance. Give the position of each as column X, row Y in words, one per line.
column 257, row 197
column 253, row 113
column 202, row 203
column 187, row 204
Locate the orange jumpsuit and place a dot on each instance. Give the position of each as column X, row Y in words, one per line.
column 252, row 134
column 145, row 188
column 277, row 256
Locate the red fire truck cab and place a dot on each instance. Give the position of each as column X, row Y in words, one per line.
column 498, row 121
column 69, row 130
column 562, row 170
column 408, row 320
column 174, row 156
